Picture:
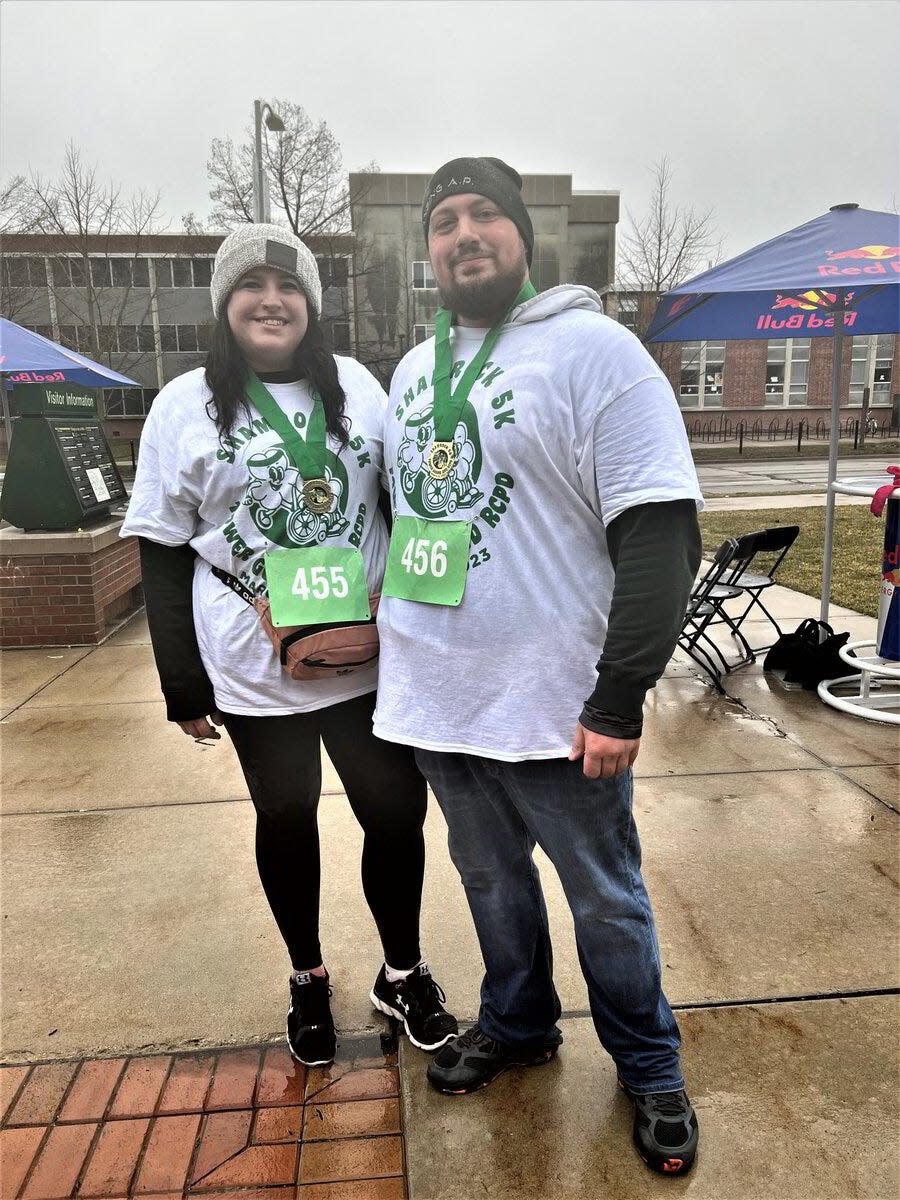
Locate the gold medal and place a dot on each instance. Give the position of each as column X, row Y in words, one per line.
column 317, row 496
column 441, row 459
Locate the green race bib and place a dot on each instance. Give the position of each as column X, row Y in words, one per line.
column 427, row 560
column 317, row 585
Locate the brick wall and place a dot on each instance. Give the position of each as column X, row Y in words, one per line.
column 66, row 599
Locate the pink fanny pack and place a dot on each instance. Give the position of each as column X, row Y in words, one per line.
column 314, row 651
column 322, row 651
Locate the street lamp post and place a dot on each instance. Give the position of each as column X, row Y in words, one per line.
column 262, row 111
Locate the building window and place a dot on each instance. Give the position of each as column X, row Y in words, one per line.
column 128, row 402
column 121, row 272
column 100, row 274
column 202, row 270
column 787, row 372
column 423, row 276
column 421, row 333
column 24, row 272
column 544, row 269
column 339, row 336
column 187, row 338
column 870, row 367
column 162, row 269
column 167, row 339
column 204, row 337
column 333, row 272
column 702, row 375
column 182, row 274
column 628, row 312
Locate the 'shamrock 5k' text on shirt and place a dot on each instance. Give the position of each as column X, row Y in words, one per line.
column 569, row 424
column 235, row 498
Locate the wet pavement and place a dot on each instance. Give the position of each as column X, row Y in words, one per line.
column 133, row 924
column 780, row 479
column 243, row 1122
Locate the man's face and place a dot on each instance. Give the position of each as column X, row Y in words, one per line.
column 477, row 256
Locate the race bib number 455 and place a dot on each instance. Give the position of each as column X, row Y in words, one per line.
column 316, row 585
column 427, row 560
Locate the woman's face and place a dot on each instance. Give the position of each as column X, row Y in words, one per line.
column 267, row 315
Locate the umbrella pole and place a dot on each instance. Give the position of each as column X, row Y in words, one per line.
column 836, row 357
column 7, row 420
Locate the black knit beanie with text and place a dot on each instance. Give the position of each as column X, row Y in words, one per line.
column 489, row 177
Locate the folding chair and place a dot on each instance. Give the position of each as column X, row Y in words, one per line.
column 767, row 541
column 707, row 606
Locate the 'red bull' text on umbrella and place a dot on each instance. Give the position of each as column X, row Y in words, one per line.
column 838, row 274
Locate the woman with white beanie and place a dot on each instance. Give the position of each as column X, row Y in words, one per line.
column 274, row 446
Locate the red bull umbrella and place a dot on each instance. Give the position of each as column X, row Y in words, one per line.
column 838, row 275
column 27, row 357
column 791, row 285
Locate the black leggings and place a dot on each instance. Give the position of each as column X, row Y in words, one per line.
column 280, row 757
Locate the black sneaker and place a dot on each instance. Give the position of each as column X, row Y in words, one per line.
column 471, row 1061
column 666, row 1132
column 418, row 1002
column 310, row 1029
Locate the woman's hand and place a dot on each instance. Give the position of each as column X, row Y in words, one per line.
column 201, row 729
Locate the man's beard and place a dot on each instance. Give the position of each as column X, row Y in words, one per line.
column 484, row 299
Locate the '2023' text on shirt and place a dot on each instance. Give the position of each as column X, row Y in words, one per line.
column 569, row 424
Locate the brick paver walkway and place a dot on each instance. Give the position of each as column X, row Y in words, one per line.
column 237, row 1123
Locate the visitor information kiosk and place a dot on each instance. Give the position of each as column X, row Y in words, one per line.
column 60, row 473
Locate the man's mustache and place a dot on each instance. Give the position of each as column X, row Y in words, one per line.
column 461, row 258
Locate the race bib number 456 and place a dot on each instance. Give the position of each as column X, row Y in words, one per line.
column 427, row 560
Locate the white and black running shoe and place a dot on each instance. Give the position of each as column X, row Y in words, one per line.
column 418, row 1002
column 310, row 1029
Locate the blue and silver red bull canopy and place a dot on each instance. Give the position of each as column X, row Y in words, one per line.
column 790, row 286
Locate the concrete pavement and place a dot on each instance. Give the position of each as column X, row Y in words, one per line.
column 785, row 477
column 133, row 920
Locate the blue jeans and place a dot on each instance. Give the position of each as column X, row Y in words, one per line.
column 496, row 812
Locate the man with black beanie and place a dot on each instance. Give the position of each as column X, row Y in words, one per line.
column 544, row 545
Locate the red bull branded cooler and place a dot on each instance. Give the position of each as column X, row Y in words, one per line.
column 887, row 501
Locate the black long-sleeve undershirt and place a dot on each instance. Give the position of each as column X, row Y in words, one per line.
column 655, row 551
column 168, row 573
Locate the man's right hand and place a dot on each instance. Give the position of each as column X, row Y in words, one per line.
column 201, row 728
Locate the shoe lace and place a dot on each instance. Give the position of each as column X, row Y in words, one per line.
column 428, row 992
column 670, row 1104
column 473, row 1037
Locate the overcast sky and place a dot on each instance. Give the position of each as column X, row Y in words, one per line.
column 769, row 112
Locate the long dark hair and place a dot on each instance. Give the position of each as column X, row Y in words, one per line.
column 227, row 370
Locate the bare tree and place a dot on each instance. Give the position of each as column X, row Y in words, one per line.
column 307, row 185
column 98, row 289
column 192, row 225
column 669, row 243
column 16, row 214
column 660, row 250
column 17, row 292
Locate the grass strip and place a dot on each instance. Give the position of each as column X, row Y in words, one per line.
column 856, row 561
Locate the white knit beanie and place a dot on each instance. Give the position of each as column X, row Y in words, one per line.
column 254, row 245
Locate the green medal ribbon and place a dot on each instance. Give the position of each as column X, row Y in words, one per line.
column 316, row 584
column 307, row 455
column 448, row 404
column 428, row 560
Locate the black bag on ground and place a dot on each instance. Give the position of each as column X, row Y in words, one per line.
column 809, row 655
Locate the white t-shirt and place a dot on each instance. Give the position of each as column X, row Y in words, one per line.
column 235, row 499
column 569, row 424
